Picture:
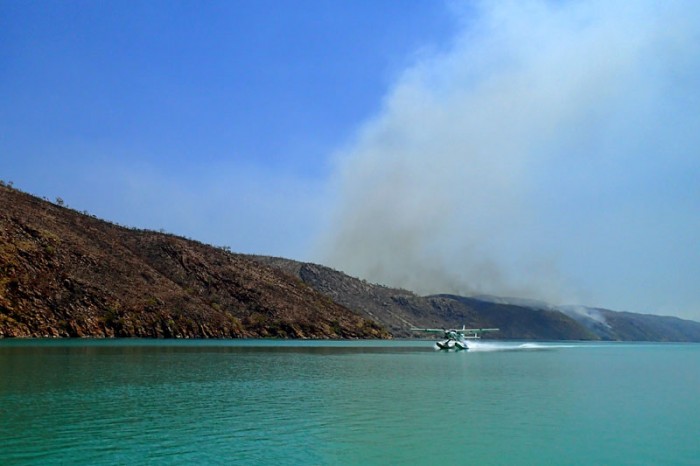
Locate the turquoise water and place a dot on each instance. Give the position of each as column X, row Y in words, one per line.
column 400, row 402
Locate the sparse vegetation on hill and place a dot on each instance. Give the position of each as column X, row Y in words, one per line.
column 399, row 310
column 68, row 274
column 63, row 273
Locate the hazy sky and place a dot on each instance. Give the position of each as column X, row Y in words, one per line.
column 524, row 148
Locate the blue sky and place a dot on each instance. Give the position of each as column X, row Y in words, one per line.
column 203, row 118
column 537, row 149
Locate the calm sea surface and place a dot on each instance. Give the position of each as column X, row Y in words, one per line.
column 400, row 402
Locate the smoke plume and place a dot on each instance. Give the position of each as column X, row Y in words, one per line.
column 525, row 152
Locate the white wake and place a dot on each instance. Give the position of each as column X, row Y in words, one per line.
column 513, row 346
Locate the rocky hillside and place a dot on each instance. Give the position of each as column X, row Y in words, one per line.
column 67, row 274
column 629, row 326
column 398, row 310
column 63, row 273
column 376, row 302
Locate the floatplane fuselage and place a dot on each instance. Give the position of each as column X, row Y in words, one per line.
column 456, row 339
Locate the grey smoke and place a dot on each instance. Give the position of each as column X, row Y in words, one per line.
column 585, row 314
column 500, row 164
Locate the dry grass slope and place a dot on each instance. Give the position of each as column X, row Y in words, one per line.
column 67, row 274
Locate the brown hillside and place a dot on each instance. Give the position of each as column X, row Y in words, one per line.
column 399, row 310
column 63, row 273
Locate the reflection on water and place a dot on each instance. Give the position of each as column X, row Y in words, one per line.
column 106, row 402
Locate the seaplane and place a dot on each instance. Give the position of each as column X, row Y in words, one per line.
column 456, row 338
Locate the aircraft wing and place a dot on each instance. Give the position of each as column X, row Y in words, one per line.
column 477, row 330
column 430, row 330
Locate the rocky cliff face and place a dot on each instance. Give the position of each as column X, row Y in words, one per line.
column 66, row 274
